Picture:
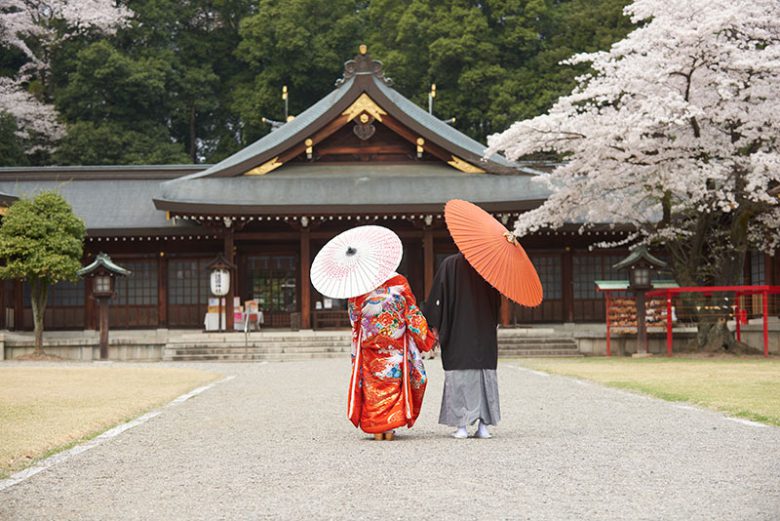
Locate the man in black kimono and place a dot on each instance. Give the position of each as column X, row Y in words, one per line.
column 464, row 309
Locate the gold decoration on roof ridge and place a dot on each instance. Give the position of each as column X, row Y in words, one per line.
column 364, row 103
column 463, row 166
column 266, row 167
column 363, row 64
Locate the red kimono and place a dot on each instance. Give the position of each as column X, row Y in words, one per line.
column 388, row 378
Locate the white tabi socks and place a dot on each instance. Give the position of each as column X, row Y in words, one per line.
column 461, row 433
column 482, row 432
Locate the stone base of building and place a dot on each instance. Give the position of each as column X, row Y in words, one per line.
column 150, row 345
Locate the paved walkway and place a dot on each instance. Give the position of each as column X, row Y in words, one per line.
column 274, row 443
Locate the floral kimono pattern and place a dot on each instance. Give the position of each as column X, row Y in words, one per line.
column 388, row 378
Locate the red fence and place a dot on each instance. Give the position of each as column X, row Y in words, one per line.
column 737, row 307
column 669, row 306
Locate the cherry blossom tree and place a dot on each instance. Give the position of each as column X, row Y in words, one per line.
column 36, row 121
column 675, row 131
column 36, row 28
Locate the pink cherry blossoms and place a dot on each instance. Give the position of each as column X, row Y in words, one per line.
column 35, row 28
column 680, row 118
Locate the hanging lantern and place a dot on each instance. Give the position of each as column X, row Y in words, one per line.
column 220, row 275
column 220, row 282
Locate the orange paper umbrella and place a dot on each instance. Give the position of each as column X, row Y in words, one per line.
column 494, row 252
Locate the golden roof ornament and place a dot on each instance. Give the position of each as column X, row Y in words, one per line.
column 463, row 166
column 363, row 64
column 364, row 104
column 266, row 167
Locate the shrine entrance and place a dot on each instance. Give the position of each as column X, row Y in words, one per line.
column 272, row 281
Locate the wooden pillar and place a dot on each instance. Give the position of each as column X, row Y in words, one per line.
column 428, row 260
column 162, row 290
column 413, row 251
column 772, row 278
column 506, row 311
column 3, row 314
column 567, row 283
column 641, row 325
column 748, row 302
column 305, row 282
column 18, row 305
column 90, row 317
column 103, row 328
column 228, row 236
column 3, row 292
column 241, row 290
column 8, row 293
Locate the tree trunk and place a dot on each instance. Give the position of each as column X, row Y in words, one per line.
column 713, row 334
column 39, row 293
column 696, row 263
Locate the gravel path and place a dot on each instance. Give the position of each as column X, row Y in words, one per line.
column 274, row 443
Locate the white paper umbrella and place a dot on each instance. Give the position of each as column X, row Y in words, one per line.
column 356, row 261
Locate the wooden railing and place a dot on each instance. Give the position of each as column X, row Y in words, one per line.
column 330, row 319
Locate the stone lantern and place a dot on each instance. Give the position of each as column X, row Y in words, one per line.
column 102, row 272
column 640, row 265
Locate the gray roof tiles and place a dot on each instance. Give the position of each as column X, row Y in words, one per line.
column 127, row 197
column 345, row 186
column 310, row 120
column 438, row 126
column 122, row 205
column 102, row 204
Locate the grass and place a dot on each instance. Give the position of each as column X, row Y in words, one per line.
column 44, row 410
column 743, row 387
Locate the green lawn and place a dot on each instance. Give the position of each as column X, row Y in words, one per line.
column 744, row 387
column 44, row 410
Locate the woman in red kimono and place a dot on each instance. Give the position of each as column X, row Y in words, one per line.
column 388, row 378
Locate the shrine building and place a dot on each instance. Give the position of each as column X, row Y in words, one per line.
column 363, row 154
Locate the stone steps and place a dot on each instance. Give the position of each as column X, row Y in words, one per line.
column 506, row 339
column 548, row 345
column 283, row 346
column 264, row 350
column 261, row 340
column 256, row 357
column 535, row 343
column 523, row 353
column 258, row 345
column 551, row 345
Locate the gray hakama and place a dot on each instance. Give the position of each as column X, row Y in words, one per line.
column 470, row 395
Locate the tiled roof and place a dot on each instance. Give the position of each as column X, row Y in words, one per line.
column 341, row 187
